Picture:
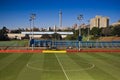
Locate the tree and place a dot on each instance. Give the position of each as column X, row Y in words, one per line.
column 36, row 29
column 107, row 31
column 52, row 36
column 26, row 36
column 84, row 31
column 56, row 36
column 74, row 36
column 116, row 30
column 3, row 34
column 95, row 31
column 45, row 36
column 71, row 37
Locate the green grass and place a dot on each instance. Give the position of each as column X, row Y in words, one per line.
column 79, row 66
column 13, row 43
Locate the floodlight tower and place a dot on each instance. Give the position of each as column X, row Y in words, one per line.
column 32, row 18
column 30, row 27
column 88, row 31
column 60, row 18
column 80, row 17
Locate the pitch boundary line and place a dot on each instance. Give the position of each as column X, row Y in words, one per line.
column 62, row 68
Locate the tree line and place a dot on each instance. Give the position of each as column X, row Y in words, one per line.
column 3, row 34
column 96, row 32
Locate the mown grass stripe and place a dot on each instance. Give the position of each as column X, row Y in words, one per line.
column 68, row 63
column 108, row 61
column 32, row 74
column 12, row 70
column 82, row 64
column 62, row 68
column 8, row 60
column 13, row 43
column 97, row 73
column 51, row 63
column 73, row 69
column 14, row 66
column 106, row 68
column 111, row 60
column 117, row 55
column 3, row 55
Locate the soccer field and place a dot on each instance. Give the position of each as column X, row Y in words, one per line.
column 76, row 66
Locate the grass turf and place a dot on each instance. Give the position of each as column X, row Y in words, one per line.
column 14, row 43
column 80, row 66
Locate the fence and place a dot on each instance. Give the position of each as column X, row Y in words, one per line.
column 75, row 44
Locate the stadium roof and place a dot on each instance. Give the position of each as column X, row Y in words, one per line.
column 37, row 33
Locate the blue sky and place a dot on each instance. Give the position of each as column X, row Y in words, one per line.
column 16, row 13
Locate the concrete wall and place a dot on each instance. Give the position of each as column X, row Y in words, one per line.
column 18, row 36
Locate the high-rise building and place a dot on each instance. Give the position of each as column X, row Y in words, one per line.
column 60, row 18
column 99, row 22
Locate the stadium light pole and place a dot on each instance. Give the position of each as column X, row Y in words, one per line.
column 80, row 17
column 32, row 17
column 30, row 31
column 30, row 27
column 88, row 31
column 55, row 32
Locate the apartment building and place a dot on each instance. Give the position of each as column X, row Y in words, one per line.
column 99, row 22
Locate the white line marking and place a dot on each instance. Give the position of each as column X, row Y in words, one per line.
column 62, row 67
column 29, row 65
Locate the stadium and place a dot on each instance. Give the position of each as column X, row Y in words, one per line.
column 53, row 58
column 56, row 45
column 59, row 59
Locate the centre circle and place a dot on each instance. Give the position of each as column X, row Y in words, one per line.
column 67, row 67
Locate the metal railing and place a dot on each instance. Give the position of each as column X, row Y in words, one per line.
column 75, row 44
